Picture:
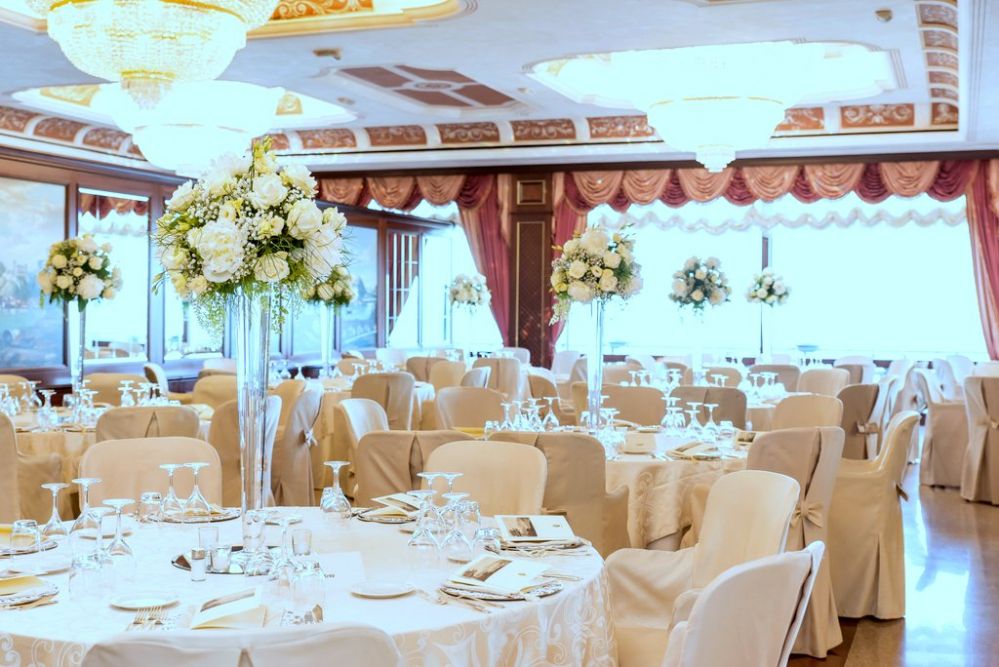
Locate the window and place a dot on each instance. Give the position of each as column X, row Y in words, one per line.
column 184, row 336
column 359, row 320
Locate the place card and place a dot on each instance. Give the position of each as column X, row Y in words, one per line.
column 12, row 585
column 496, row 573
column 533, row 528
column 396, row 504
column 241, row 610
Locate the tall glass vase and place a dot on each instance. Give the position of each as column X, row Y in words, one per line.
column 326, row 338
column 693, row 322
column 81, row 346
column 766, row 333
column 595, row 366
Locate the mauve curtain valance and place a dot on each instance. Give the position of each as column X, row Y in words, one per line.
column 101, row 206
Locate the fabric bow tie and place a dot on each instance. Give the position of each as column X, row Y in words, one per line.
column 872, row 427
column 310, row 439
column 810, row 511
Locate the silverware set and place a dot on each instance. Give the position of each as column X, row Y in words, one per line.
column 148, row 618
column 471, row 603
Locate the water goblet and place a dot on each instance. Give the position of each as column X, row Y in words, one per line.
column 197, row 504
column 54, row 528
column 255, row 557
column 424, row 543
column 470, row 518
column 171, row 503
column 333, row 502
column 24, row 539
column 308, row 591
column 693, row 425
column 491, row 426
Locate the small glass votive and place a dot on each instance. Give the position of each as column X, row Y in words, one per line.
column 301, row 542
column 199, row 565
column 220, row 557
column 208, row 537
column 149, row 507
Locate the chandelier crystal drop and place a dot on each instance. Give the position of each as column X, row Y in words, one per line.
column 148, row 44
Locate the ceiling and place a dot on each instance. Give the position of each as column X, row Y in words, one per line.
column 447, row 84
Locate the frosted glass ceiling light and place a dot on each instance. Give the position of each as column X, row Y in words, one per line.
column 716, row 100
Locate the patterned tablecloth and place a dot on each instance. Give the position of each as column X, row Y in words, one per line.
column 572, row 627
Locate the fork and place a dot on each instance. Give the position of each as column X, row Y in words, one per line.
column 141, row 616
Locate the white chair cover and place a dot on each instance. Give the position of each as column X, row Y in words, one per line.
column 504, row 477
column 444, row 373
column 147, row 422
column 392, row 391
column 127, row 468
column 521, row 354
column 220, row 364
column 759, row 604
column 389, row 461
column 859, row 421
column 310, row 646
column 640, row 405
column 811, row 456
column 980, row 478
column 945, row 438
column 962, row 366
column 288, row 391
column 420, row 367
column 987, row 369
column 787, row 374
column 155, row 374
column 476, row 377
column 866, row 549
column 223, row 435
column 542, row 387
column 825, row 381
column 881, row 414
column 353, row 418
column 107, row 386
column 645, row 361
column 616, row 373
column 732, row 375
column 16, row 384
column 807, row 410
column 578, row 371
column 747, row 516
column 909, row 396
column 348, row 365
column 21, row 475
column 214, row 390
column 468, row 407
column 504, row 376
column 291, row 463
column 731, row 402
column 562, row 363
column 686, row 373
column 950, row 387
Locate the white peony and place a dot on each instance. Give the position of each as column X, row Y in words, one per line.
column 322, row 252
column 690, row 264
column 59, row 261
column 299, row 176
column 325, row 292
column 109, row 293
column 96, row 263
column 87, row 244
column 578, row 269
column 173, row 258
column 580, row 291
column 182, row 197
column 700, row 274
column 779, row 288
column 716, row 297
column 221, row 249
column 268, row 190
column 594, row 241
column 62, row 282
column 770, row 299
column 608, row 283
column 232, row 164
column 304, row 219
column 697, row 295
column 90, row 287
column 333, row 216
column 571, row 246
column 272, row 268
column 761, row 293
column 612, row 260
column 45, row 281
column 198, row 285
column 768, row 281
column 596, row 271
column 219, row 183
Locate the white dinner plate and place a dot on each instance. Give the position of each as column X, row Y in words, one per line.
column 143, row 600
column 381, row 589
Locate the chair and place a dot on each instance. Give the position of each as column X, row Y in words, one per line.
column 468, row 407
column 824, row 381
column 731, row 402
column 220, row 365
column 392, row 391
column 980, row 477
column 866, row 549
column 640, row 405
column 504, row 477
column 147, row 422
column 578, row 371
column 349, row 365
column 747, row 516
column 353, row 418
column 504, row 376
column 644, row 361
column 686, row 373
column 311, row 646
column 476, row 377
column 616, row 373
column 17, row 385
column 21, row 475
column 388, row 461
column 861, row 368
column 214, row 390
column 760, row 604
column 811, row 456
column 787, row 374
column 521, row 354
column 577, row 467
column 563, row 362
column 945, row 438
column 130, row 467
column 223, row 435
column 807, row 410
column 291, row 462
column 950, row 388
column 732, row 375
column 154, row 373
column 962, row 366
column 859, row 421
column 288, row 391
column 881, row 414
column 541, row 386
column 444, row 373
column 419, row 367
column 107, row 386
column 391, row 356
column 987, row 369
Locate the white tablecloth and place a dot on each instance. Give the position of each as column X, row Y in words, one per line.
column 659, row 490
column 569, row 628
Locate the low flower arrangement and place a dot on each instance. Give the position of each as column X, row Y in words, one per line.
column 700, row 283
column 596, row 264
column 337, row 290
column 79, row 270
column 768, row 288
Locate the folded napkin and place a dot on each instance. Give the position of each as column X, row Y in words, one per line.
column 696, row 450
column 12, row 585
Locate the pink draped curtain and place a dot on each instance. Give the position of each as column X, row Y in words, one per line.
column 983, row 223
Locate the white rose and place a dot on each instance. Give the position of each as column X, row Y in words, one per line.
column 219, row 182
column 173, row 257
column 180, row 283
column 716, row 297
column 612, row 260
column 333, row 216
column 221, row 249
column 596, row 271
column 269, row 225
column 690, row 264
column 578, row 269
column 700, row 274
column 712, row 262
column 557, row 277
column 59, row 261
column 182, row 196
column 761, row 293
column 697, row 295
column 90, row 287
column 198, row 285
column 194, row 236
column 87, row 244
column 771, row 299
column 77, row 272
column 232, row 164
column 768, row 281
column 779, row 288
column 45, row 281
column 227, row 212
column 581, row 292
column 322, row 252
column 608, row 283
column 268, row 190
column 679, row 287
column 299, row 176
column 594, row 241
column 96, row 263
column 109, row 293
column 271, row 268
column 570, row 247
column 304, row 219
column 325, row 292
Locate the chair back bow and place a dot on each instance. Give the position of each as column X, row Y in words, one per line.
column 310, row 439
column 809, row 511
column 868, row 428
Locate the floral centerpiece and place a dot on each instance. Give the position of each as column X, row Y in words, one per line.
column 768, row 289
column 700, row 283
column 594, row 267
column 469, row 291
column 79, row 270
column 247, row 238
column 330, row 295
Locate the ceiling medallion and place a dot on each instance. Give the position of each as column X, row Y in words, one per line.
column 716, row 100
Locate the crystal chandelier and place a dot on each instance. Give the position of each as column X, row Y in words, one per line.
column 146, row 44
column 716, row 100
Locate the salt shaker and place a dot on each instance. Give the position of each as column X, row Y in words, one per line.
column 199, row 565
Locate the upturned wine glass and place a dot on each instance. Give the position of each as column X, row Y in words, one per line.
column 122, row 557
column 197, row 504
column 171, row 503
column 85, row 520
column 333, row 502
column 54, row 528
column 456, row 545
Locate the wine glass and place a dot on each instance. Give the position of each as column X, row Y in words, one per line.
column 255, row 556
column 424, row 542
column 283, row 568
column 54, row 527
column 430, row 478
column 84, row 483
column 550, row 422
column 449, row 477
column 456, row 546
column 693, row 424
column 171, row 503
column 122, row 558
column 507, row 423
column 196, row 504
column 333, row 503
column 710, row 429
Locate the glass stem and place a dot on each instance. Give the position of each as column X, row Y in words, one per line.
column 595, row 365
column 253, row 327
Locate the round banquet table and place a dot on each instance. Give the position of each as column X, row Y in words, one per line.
column 659, row 488
column 572, row 627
